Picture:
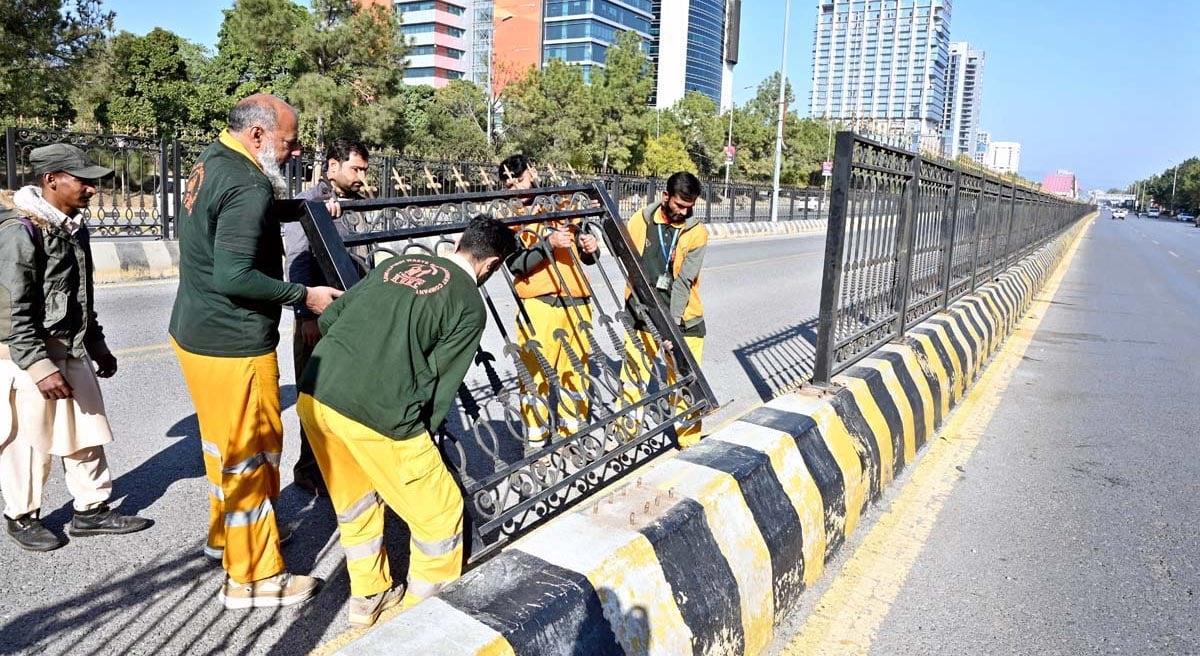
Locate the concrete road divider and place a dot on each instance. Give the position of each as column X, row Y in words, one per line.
column 130, row 260
column 703, row 552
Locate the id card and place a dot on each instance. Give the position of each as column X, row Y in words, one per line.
column 664, row 282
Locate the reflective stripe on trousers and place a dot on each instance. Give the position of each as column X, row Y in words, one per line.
column 241, row 437
column 361, row 467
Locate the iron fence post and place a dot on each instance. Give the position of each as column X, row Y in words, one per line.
column 949, row 231
column 835, row 245
column 753, row 204
column 792, row 205
column 181, row 178
column 977, row 234
column 165, row 188
column 708, row 195
column 10, row 157
column 1012, row 215
column 906, row 245
column 729, row 198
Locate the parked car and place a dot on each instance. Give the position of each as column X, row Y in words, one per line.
column 1119, row 213
column 1153, row 213
column 1185, row 216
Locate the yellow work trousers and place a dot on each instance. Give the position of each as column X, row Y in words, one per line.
column 241, row 436
column 363, row 470
column 547, row 320
column 635, row 369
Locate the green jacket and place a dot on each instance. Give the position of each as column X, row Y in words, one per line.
column 46, row 292
column 396, row 347
column 231, row 290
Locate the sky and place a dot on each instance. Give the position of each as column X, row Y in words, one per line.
column 1109, row 89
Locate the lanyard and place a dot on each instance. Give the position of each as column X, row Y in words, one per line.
column 668, row 252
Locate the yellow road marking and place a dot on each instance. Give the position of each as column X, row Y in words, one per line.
column 149, row 351
column 850, row 613
column 140, row 283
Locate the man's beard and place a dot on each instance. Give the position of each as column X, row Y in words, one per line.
column 268, row 160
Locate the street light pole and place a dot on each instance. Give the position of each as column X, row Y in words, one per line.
column 728, row 145
column 1174, row 179
column 787, row 14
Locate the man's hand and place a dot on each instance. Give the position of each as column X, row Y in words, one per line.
column 54, row 387
column 106, row 365
column 668, row 345
column 334, row 207
column 588, row 243
column 319, row 298
column 560, row 238
column 310, row 332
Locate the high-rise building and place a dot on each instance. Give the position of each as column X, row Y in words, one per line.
column 580, row 31
column 709, row 31
column 883, row 62
column 438, row 35
column 964, row 93
column 1003, row 157
column 982, row 139
column 698, row 38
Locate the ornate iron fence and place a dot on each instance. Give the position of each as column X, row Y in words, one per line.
column 635, row 393
column 908, row 236
column 140, row 200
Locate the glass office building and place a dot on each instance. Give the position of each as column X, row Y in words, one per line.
column 883, row 64
column 580, row 31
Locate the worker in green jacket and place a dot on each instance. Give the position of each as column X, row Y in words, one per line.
column 394, row 351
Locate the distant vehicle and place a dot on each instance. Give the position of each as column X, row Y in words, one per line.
column 1184, row 216
column 1153, row 213
column 1119, row 213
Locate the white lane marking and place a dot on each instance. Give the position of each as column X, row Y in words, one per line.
column 1155, row 241
column 1173, row 253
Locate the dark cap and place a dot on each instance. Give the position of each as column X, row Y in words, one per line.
column 66, row 158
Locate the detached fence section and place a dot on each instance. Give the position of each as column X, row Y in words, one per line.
column 908, row 236
column 140, row 200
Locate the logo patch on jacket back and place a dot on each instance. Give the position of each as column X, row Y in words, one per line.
column 422, row 276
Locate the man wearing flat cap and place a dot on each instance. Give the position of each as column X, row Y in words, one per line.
column 51, row 351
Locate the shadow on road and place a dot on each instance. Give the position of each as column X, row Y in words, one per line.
column 781, row 361
column 167, row 606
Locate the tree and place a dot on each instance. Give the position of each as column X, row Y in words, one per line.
column 549, row 115
column 667, row 154
column 148, row 84
column 43, row 46
column 256, row 48
column 352, row 65
column 620, row 93
column 702, row 131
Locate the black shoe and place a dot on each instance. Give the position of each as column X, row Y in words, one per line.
column 105, row 521
column 28, row 532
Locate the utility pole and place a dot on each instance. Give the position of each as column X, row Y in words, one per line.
column 787, row 14
column 1174, row 179
column 728, row 145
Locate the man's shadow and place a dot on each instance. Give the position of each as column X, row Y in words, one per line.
column 141, row 487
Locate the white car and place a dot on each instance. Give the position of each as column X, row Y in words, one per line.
column 1120, row 213
column 1153, row 213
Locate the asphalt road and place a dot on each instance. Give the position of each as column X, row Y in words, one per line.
column 1072, row 526
column 154, row 593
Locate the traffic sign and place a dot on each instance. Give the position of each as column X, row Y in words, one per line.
column 827, row 168
column 730, row 151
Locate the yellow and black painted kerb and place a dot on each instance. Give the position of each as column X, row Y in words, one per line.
column 704, row 552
